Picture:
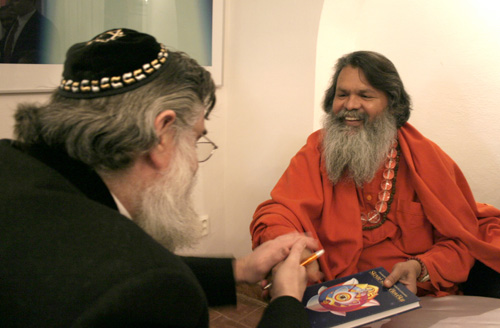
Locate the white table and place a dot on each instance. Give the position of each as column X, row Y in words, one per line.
column 447, row 312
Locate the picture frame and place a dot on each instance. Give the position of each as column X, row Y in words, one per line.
column 43, row 78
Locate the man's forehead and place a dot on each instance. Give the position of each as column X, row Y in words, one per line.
column 350, row 75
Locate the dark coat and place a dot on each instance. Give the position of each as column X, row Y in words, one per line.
column 69, row 259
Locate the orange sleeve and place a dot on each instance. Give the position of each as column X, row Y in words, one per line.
column 448, row 262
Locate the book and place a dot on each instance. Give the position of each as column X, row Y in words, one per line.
column 356, row 300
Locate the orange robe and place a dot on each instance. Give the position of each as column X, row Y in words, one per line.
column 433, row 215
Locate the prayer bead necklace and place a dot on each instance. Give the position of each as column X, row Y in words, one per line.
column 375, row 218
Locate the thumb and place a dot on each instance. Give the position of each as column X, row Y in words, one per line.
column 391, row 279
column 296, row 252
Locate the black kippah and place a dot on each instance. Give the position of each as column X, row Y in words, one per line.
column 113, row 62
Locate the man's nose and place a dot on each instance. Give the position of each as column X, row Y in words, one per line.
column 352, row 102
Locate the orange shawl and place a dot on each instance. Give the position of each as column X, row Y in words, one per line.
column 305, row 200
column 448, row 200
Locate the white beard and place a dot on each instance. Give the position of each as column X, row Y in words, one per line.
column 356, row 151
column 166, row 210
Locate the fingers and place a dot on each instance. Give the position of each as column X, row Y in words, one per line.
column 296, row 252
column 257, row 265
column 313, row 272
column 290, row 278
column 283, row 244
column 404, row 272
column 311, row 242
column 290, row 239
column 399, row 272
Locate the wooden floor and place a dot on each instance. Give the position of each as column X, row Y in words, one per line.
column 246, row 314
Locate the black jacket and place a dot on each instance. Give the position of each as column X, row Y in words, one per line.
column 69, row 259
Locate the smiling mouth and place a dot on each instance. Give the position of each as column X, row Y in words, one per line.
column 352, row 119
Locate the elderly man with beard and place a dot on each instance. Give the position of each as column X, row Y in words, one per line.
column 114, row 151
column 375, row 192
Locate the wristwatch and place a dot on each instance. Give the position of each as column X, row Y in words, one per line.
column 424, row 278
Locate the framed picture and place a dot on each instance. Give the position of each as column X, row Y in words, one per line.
column 192, row 26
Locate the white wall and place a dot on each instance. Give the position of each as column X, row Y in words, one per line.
column 447, row 53
column 269, row 59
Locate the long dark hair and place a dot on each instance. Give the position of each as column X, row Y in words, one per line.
column 382, row 75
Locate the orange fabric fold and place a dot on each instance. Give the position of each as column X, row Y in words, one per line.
column 448, row 200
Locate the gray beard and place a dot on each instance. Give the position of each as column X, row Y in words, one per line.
column 357, row 151
column 166, row 211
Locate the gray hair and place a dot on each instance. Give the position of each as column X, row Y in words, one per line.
column 108, row 133
column 382, row 75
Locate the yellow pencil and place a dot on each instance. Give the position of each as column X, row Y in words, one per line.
column 313, row 257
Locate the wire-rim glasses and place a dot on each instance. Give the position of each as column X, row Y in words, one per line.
column 205, row 148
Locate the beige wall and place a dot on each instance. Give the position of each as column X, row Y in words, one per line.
column 269, row 60
column 264, row 112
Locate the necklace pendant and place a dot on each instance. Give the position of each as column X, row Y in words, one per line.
column 364, row 219
column 390, row 163
column 392, row 153
column 386, row 185
column 388, row 174
column 395, row 143
column 381, row 207
column 384, row 195
column 377, row 217
column 374, row 217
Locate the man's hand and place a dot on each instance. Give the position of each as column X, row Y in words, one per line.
column 406, row 272
column 290, row 278
column 256, row 266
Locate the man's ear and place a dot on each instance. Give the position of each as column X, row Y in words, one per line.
column 160, row 154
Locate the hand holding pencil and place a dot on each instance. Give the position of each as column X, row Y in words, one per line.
column 289, row 277
column 254, row 267
column 284, row 254
column 311, row 258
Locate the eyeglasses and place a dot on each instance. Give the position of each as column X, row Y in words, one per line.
column 205, row 148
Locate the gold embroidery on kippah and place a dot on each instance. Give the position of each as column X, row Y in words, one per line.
column 108, row 36
column 147, row 68
column 128, row 78
column 105, row 83
column 74, row 86
column 115, row 82
column 156, row 64
column 85, row 86
column 67, row 85
column 95, row 86
column 139, row 75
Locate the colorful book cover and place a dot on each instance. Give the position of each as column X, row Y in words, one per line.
column 356, row 300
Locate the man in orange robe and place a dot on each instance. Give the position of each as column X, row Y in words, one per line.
column 375, row 192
